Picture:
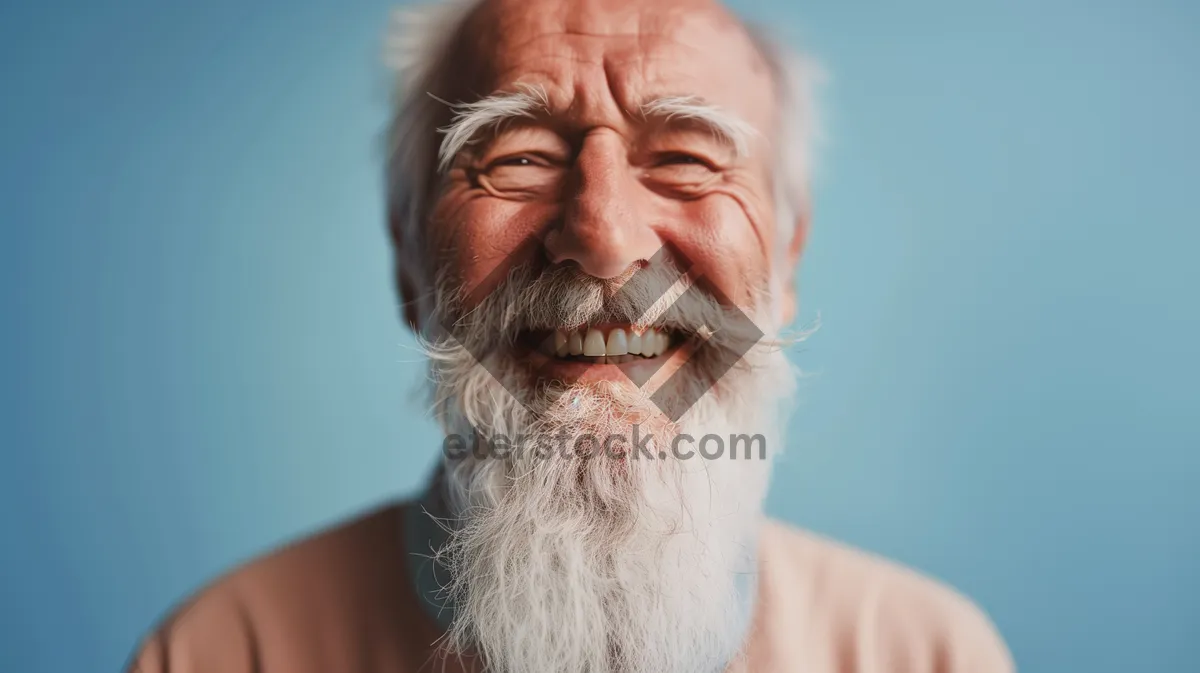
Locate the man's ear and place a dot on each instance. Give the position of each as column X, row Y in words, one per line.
column 795, row 250
column 408, row 300
column 407, row 287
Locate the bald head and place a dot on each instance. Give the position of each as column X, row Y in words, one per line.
column 632, row 45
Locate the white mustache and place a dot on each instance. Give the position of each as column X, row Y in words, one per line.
column 563, row 298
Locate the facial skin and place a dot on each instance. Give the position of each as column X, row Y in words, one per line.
column 602, row 186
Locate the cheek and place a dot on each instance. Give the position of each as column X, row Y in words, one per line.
column 722, row 240
column 478, row 239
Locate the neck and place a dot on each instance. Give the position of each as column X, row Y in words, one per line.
column 426, row 530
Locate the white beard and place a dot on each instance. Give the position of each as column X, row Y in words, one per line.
column 605, row 564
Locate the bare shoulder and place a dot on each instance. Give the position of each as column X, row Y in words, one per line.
column 870, row 614
column 288, row 608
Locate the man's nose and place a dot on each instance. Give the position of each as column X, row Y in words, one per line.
column 606, row 226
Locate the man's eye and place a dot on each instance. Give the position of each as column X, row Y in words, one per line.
column 521, row 160
column 681, row 159
column 526, row 175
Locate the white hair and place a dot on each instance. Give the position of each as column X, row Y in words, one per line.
column 733, row 130
column 473, row 118
column 599, row 564
column 417, row 48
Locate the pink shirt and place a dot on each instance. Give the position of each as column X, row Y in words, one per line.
column 342, row 602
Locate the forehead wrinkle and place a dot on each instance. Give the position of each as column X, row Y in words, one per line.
column 638, row 55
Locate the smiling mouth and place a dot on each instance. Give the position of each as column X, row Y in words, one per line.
column 604, row 344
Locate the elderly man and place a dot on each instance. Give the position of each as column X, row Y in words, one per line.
column 597, row 207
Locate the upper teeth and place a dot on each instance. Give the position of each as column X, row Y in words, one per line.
column 619, row 341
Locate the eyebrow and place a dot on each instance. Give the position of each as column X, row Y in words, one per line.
column 470, row 120
column 726, row 127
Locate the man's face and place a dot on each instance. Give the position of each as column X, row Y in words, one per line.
column 611, row 172
column 596, row 151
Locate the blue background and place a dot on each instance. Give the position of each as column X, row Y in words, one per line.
column 202, row 357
